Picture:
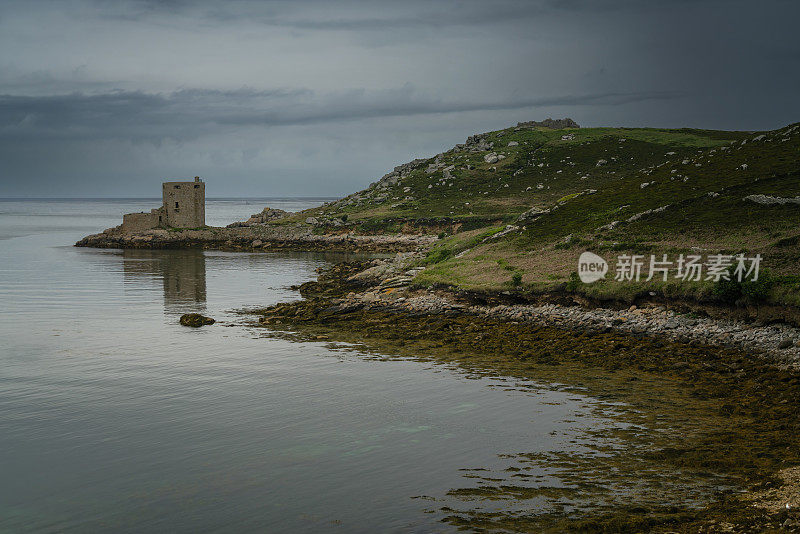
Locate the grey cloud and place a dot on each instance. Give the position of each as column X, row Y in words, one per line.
column 379, row 15
column 360, row 104
column 132, row 115
column 182, row 114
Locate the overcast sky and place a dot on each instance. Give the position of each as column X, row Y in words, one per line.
column 320, row 98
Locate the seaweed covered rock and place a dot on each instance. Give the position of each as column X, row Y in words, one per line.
column 195, row 320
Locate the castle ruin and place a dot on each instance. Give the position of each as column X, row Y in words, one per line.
column 183, row 205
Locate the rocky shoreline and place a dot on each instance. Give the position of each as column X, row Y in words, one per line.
column 739, row 388
column 257, row 238
column 779, row 341
column 387, row 285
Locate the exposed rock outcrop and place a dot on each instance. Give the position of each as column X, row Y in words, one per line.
column 553, row 124
column 768, row 200
column 476, row 143
column 389, row 285
column 263, row 217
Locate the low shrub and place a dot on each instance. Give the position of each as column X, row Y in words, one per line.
column 732, row 290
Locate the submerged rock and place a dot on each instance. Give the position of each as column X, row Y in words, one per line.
column 195, row 320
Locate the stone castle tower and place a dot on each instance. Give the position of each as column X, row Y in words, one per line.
column 183, row 205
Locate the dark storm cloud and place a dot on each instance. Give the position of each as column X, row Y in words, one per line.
column 106, row 98
column 184, row 114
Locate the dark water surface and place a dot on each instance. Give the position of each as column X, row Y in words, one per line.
column 114, row 418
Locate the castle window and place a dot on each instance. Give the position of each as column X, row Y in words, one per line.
column 197, row 187
column 176, row 205
column 177, row 187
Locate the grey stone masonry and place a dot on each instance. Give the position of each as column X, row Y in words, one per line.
column 184, row 203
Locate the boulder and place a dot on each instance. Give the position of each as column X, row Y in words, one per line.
column 195, row 320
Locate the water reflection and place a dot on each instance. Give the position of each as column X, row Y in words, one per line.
column 182, row 272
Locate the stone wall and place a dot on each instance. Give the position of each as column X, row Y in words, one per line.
column 140, row 222
column 184, row 204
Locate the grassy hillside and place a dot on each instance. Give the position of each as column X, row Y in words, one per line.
column 537, row 167
column 514, row 208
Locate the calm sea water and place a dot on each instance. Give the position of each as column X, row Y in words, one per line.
column 114, row 418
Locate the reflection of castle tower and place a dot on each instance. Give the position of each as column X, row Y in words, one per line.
column 183, row 275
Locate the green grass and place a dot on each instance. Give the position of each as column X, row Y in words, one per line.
column 449, row 247
column 528, row 176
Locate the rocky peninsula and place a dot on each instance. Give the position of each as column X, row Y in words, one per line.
column 254, row 237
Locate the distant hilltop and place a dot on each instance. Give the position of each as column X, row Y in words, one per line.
column 553, row 124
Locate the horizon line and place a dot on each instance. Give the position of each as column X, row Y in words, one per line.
column 159, row 198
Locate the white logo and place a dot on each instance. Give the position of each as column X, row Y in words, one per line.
column 591, row 268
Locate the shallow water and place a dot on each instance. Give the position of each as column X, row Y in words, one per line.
column 113, row 417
